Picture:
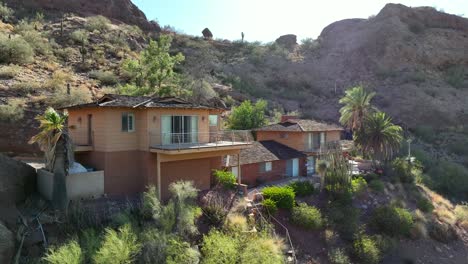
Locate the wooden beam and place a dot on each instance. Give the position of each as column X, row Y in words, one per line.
column 158, row 173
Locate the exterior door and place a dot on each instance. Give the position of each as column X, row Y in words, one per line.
column 310, row 165
column 295, row 167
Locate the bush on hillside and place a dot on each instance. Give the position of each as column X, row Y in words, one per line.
column 15, row 50
column 58, row 81
column 99, row 23
column 345, row 218
column 9, row 72
column 442, row 232
column 12, row 111
column 225, row 178
column 302, row 188
column 338, row 256
column 79, row 36
column 26, row 87
column 40, row 44
column 218, row 247
column 359, row 186
column 282, row 196
column 104, row 77
column 69, row 253
column 448, row 178
column 90, row 242
column 179, row 251
column 392, row 220
column 118, row 247
column 425, row 205
column 366, row 250
column 377, row 185
column 5, row 12
column 78, row 95
column 406, row 172
column 262, row 250
column 270, row 206
column 307, row 216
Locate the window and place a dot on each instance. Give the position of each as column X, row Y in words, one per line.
column 179, row 129
column 265, row 167
column 213, row 120
column 128, row 122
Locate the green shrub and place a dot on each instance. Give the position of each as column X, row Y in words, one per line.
column 154, row 245
column 261, row 250
column 118, row 247
column 9, row 72
column 90, row 242
column 366, row 250
column 338, row 256
column 425, row 133
column 345, row 218
column 64, row 54
column 77, row 95
column 15, row 50
column 40, row 44
column 218, row 247
column 455, row 76
column 461, row 212
column 270, row 206
column 425, row 205
column 5, row 12
column 307, row 216
column 406, row 172
column 392, row 220
column 104, row 77
column 79, row 36
column 26, row 87
column 358, row 185
column 448, row 178
column 13, row 110
column 442, row 232
column 302, row 188
column 69, row 253
column 151, row 207
column 377, row 185
column 99, row 23
column 225, row 178
column 282, row 196
column 179, row 251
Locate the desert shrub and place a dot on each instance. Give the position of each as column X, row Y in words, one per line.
column 461, row 212
column 262, row 250
column 455, row 76
column 79, row 36
column 425, row 133
column 302, row 188
column 225, row 178
column 9, row 72
column 69, row 253
column 442, row 232
column 64, row 54
column 392, row 220
column 118, row 247
column 151, row 206
column 448, row 178
column 377, row 185
column 40, row 44
column 282, row 196
column 366, row 250
column 5, row 12
column 104, row 77
column 26, row 87
column 338, row 256
column 15, row 50
column 236, row 223
column 218, row 247
column 179, row 251
column 406, row 172
column 13, row 110
column 215, row 207
column 185, row 212
column 99, row 23
column 425, row 205
column 77, row 95
column 90, row 242
column 419, row 230
column 154, row 245
column 309, row 44
column 270, row 206
column 358, row 185
column 124, row 217
column 307, row 216
column 345, row 218
column 58, row 81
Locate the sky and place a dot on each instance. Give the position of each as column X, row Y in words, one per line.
column 266, row 20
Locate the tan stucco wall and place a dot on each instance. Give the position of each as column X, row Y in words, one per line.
column 295, row 140
column 79, row 185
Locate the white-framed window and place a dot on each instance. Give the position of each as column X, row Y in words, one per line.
column 213, row 119
column 266, row 166
column 128, row 122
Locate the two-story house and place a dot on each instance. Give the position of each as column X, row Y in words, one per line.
column 138, row 141
column 305, row 135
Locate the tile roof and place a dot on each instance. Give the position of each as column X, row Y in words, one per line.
column 262, row 151
column 301, row 125
column 116, row 100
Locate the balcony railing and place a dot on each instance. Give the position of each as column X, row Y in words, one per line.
column 199, row 139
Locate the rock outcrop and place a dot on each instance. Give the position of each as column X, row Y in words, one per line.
column 288, row 41
column 17, row 181
column 207, row 34
column 120, row 10
column 7, row 244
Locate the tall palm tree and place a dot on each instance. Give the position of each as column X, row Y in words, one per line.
column 379, row 136
column 356, row 107
column 53, row 139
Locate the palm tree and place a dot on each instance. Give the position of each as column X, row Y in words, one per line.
column 356, row 107
column 379, row 136
column 53, row 139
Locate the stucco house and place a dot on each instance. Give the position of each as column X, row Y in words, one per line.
column 266, row 161
column 305, row 135
column 138, row 141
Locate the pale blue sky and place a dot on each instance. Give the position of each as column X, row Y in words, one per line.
column 265, row 20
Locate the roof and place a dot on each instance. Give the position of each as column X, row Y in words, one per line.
column 128, row 101
column 263, row 151
column 300, row 125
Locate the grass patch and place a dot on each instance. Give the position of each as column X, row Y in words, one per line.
column 104, row 77
column 9, row 72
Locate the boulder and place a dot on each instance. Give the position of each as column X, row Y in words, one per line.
column 7, row 244
column 17, row 181
column 207, row 34
column 288, row 41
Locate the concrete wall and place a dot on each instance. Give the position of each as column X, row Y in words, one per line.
column 79, row 185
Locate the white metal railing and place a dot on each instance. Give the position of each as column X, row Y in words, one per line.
column 200, row 139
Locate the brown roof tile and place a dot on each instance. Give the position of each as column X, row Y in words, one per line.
column 301, row 125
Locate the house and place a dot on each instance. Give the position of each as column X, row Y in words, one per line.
column 305, row 135
column 267, row 161
column 138, row 141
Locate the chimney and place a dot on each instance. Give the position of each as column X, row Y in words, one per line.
column 285, row 118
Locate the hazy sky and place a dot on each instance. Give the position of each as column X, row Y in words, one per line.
column 265, row 20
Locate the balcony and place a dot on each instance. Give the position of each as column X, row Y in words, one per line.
column 199, row 141
column 83, row 143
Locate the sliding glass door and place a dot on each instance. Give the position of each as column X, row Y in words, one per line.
column 179, row 129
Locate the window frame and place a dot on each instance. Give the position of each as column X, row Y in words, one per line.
column 209, row 120
column 129, row 124
column 266, row 166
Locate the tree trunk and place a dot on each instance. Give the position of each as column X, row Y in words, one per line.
column 60, row 170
